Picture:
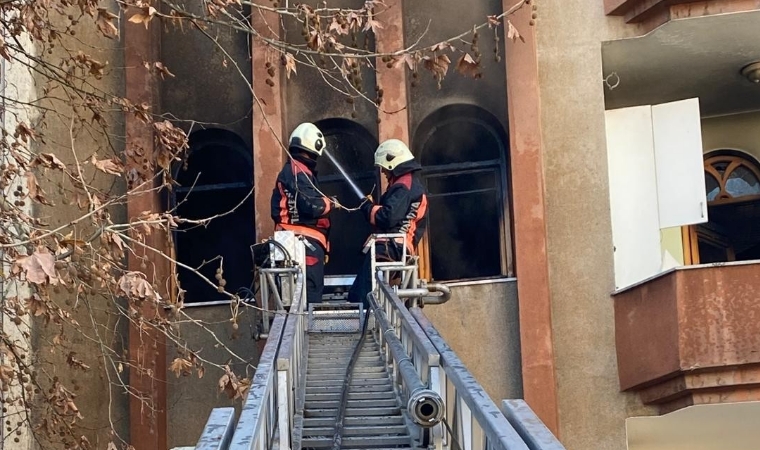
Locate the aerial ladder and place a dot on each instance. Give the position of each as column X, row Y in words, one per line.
column 335, row 375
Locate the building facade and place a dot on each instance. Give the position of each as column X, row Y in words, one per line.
column 608, row 158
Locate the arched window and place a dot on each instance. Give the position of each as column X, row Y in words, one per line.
column 732, row 183
column 353, row 146
column 463, row 151
column 217, row 181
column 729, row 177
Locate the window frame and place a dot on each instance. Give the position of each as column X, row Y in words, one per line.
column 692, row 234
column 506, row 249
column 199, row 141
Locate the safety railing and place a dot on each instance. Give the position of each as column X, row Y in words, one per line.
column 267, row 414
column 472, row 421
column 412, row 359
column 291, row 364
column 257, row 426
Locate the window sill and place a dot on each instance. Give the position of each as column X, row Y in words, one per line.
column 209, row 303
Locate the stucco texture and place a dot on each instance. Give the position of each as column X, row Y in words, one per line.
column 481, row 325
column 592, row 410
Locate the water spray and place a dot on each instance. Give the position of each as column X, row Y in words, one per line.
column 353, row 185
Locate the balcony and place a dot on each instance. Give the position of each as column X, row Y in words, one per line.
column 657, row 12
column 691, row 336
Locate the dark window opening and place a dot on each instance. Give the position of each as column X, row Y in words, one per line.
column 354, row 148
column 464, row 156
column 732, row 183
column 217, row 181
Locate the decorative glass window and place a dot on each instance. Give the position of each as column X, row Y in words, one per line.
column 730, row 177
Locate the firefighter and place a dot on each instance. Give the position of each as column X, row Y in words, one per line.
column 299, row 206
column 403, row 208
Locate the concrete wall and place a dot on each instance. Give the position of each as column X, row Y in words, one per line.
column 309, row 98
column 734, row 132
column 481, row 325
column 433, row 24
column 204, row 93
column 211, row 90
column 592, row 411
column 99, row 339
column 190, row 399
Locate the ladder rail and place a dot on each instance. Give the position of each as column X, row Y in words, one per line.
column 256, row 427
column 472, row 419
column 290, row 363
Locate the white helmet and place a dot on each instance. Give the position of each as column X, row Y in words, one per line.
column 307, row 137
column 391, row 153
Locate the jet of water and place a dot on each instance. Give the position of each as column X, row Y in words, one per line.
column 353, row 185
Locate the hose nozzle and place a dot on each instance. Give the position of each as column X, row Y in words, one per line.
column 425, row 408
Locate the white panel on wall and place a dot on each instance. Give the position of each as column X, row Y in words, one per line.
column 633, row 194
column 678, row 160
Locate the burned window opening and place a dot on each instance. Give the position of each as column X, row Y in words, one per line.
column 353, row 146
column 463, row 151
column 216, row 181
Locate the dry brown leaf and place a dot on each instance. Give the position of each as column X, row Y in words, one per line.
column 39, row 267
column 36, row 307
column 162, row 70
column 25, row 132
column 181, row 367
column 438, row 64
column 512, row 32
column 290, row 65
column 468, row 66
column 48, row 160
column 4, row 50
column 373, row 25
column 111, row 165
column 106, row 23
column 135, row 286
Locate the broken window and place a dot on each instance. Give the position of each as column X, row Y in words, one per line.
column 216, row 182
column 463, row 151
column 353, row 146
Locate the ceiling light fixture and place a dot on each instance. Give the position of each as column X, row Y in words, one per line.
column 752, row 72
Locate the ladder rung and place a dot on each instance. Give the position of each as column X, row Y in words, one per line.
column 352, row 412
column 351, row 396
column 379, row 430
column 357, row 441
column 381, row 403
column 354, row 421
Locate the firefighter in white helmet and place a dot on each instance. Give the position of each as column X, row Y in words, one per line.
column 403, row 208
column 298, row 206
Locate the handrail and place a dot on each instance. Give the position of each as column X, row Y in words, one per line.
column 473, row 420
column 417, row 346
column 258, row 418
column 290, row 363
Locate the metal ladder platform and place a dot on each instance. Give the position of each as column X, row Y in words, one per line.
column 373, row 413
column 333, row 375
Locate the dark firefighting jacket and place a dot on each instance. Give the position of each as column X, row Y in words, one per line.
column 297, row 205
column 403, row 208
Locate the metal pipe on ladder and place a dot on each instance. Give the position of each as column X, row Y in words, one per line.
column 424, row 405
